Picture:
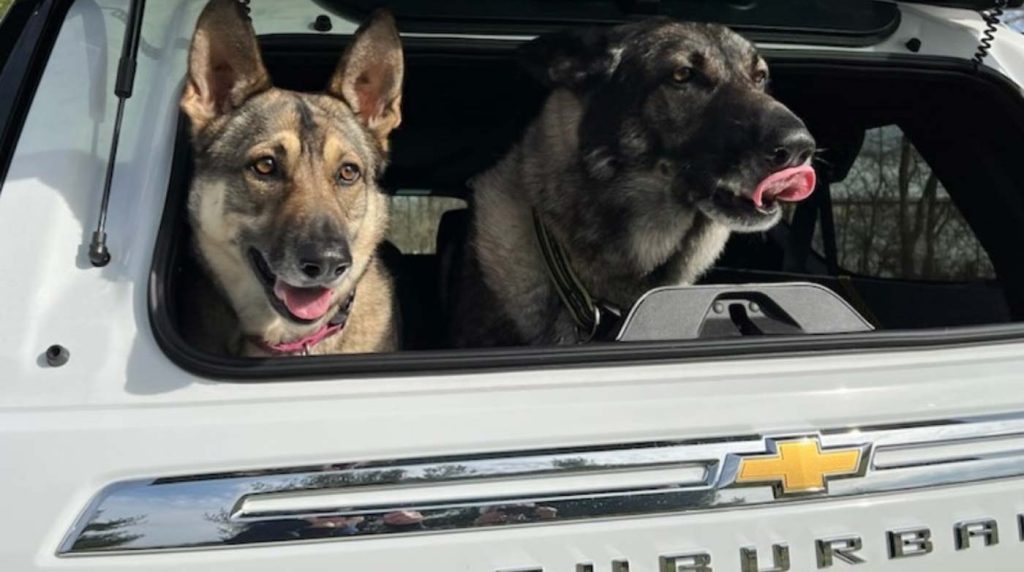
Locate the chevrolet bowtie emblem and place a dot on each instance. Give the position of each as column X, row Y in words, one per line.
column 800, row 466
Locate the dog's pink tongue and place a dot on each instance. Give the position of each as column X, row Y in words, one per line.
column 305, row 303
column 793, row 184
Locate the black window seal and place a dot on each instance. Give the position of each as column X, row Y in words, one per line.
column 29, row 32
column 455, row 362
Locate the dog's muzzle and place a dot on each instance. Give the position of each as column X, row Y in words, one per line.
column 303, row 305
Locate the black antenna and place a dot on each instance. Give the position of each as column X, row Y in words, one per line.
column 98, row 253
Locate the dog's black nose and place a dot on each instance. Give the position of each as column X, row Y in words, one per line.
column 318, row 262
column 785, row 140
column 793, row 150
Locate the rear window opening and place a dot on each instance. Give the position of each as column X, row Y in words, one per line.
column 916, row 222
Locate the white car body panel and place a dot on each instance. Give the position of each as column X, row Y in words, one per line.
column 121, row 410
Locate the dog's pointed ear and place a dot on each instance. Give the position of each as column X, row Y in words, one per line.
column 572, row 59
column 224, row 64
column 369, row 75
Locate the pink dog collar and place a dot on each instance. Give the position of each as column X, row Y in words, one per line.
column 304, row 345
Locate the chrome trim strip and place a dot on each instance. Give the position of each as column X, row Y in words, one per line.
column 473, row 492
column 898, row 456
column 432, row 497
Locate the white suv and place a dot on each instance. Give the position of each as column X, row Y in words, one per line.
column 764, row 443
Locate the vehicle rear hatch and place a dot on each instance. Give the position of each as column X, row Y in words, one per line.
column 901, row 451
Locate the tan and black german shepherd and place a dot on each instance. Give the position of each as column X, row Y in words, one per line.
column 284, row 204
column 657, row 141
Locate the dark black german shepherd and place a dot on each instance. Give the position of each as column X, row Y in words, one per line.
column 657, row 140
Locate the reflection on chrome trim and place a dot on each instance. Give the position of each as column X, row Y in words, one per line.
column 473, row 492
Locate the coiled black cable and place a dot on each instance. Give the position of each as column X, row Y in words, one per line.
column 992, row 19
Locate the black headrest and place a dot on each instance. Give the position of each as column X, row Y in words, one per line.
column 453, row 228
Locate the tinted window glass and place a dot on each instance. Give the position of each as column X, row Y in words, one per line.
column 414, row 221
column 894, row 219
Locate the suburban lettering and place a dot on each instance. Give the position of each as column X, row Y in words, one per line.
column 987, row 529
column 909, row 542
column 780, row 559
column 843, row 548
column 902, row 543
column 697, row 562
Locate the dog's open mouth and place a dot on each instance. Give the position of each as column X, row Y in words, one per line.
column 302, row 305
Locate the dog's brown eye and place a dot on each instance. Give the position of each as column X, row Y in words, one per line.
column 760, row 78
column 264, row 166
column 348, row 173
column 682, row 75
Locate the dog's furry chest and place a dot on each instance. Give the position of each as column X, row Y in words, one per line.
column 617, row 255
column 512, row 267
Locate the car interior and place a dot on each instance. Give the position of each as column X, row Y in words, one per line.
column 955, row 130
